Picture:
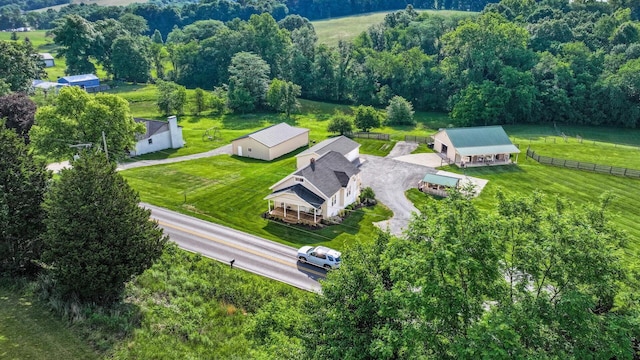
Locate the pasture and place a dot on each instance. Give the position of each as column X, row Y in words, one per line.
column 331, row 31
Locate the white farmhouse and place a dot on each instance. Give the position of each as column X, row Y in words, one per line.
column 160, row 135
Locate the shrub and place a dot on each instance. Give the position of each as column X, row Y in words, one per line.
column 400, row 112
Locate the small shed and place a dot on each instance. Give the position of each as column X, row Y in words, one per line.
column 48, row 59
column 271, row 142
column 437, row 184
column 84, row 81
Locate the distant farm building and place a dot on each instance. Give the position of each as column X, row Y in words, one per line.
column 475, row 146
column 159, row 135
column 47, row 85
column 84, row 81
column 271, row 142
column 48, row 59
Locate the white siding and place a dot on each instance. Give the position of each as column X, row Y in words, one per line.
column 159, row 142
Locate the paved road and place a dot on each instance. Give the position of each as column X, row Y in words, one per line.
column 251, row 253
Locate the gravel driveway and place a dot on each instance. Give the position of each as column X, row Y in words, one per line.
column 389, row 179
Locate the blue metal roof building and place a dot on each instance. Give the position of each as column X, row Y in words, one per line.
column 84, row 81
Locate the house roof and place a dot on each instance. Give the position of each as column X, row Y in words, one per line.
column 153, row 127
column 275, row 134
column 329, row 173
column 303, row 193
column 441, row 180
column 481, row 140
column 341, row 144
column 46, row 56
column 41, row 84
column 76, row 78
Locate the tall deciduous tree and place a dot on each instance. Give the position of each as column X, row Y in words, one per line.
column 80, row 118
column 171, row 97
column 283, row 96
column 366, row 118
column 98, row 236
column 19, row 111
column 75, row 37
column 400, row 112
column 131, row 59
column 19, row 65
column 23, row 183
column 248, row 81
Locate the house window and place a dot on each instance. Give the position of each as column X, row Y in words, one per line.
column 333, row 200
column 298, row 179
column 349, row 191
column 150, row 141
column 249, row 149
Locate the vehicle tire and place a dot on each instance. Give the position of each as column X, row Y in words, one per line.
column 302, row 259
column 327, row 267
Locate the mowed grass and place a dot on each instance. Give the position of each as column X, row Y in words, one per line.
column 331, row 31
column 229, row 190
column 580, row 187
column 29, row 331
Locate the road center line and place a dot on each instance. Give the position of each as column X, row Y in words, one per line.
column 235, row 246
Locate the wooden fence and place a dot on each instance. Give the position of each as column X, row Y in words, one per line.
column 419, row 139
column 572, row 164
column 369, row 135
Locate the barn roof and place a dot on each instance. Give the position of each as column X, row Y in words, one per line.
column 76, row 78
column 275, row 134
column 481, row 140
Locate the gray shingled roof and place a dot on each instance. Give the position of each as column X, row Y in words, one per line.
column 275, row 134
column 153, row 127
column 329, row 173
column 341, row 144
column 304, row 193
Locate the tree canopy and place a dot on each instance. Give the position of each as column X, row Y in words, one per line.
column 97, row 235
column 80, row 118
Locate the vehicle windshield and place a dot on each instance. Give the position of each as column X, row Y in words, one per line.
column 338, row 259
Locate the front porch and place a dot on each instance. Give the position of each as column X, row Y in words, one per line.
column 293, row 216
column 484, row 160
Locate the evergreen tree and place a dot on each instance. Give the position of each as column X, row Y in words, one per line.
column 98, row 237
column 23, row 183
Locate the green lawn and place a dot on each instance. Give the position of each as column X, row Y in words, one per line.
column 29, row 331
column 230, row 190
column 331, row 31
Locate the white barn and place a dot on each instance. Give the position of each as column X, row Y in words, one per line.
column 160, row 135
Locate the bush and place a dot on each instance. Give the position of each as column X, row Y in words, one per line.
column 368, row 197
column 400, row 112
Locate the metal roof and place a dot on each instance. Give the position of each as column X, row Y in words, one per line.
column 302, row 192
column 329, row 173
column 76, row 78
column 46, row 56
column 341, row 144
column 275, row 134
column 481, row 140
column 441, row 180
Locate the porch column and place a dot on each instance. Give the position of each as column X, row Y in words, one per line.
column 285, row 209
column 517, row 158
column 314, row 215
column 269, row 205
column 298, row 212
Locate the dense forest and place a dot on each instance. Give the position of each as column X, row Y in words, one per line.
column 515, row 62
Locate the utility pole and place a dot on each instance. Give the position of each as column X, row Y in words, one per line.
column 104, row 141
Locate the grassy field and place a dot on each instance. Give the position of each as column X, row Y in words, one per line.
column 331, row 31
column 230, row 190
column 29, row 331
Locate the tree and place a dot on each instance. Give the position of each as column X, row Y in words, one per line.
column 248, row 81
column 14, row 36
column 98, row 237
column 159, row 55
column 200, row 100
column 171, row 97
column 131, row 59
column 366, row 118
column 75, row 37
column 400, row 112
column 80, row 118
column 340, row 123
column 23, row 183
column 157, row 37
column 19, row 65
column 134, row 24
column 19, row 111
column 282, row 96
column 108, row 32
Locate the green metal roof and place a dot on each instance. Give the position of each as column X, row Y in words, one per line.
column 441, row 180
column 478, row 136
